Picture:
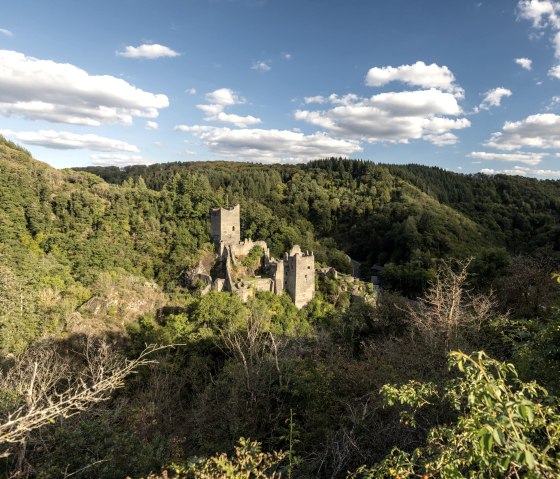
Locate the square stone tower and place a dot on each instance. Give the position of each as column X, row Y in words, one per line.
column 300, row 276
column 225, row 225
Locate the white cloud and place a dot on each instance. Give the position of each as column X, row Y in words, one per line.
column 314, row 99
column 117, row 160
column 224, row 97
column 395, row 117
column 270, row 146
column 286, row 56
column 554, row 72
column 542, row 13
column 516, row 157
column 149, row 51
column 191, row 91
column 152, row 125
column 61, row 92
column 494, row 98
column 218, row 100
column 536, row 131
column 347, row 99
column 240, row 121
column 261, row 66
column 416, row 103
column 525, row 63
column 6, row 33
column 64, row 140
column 418, row 74
column 523, row 171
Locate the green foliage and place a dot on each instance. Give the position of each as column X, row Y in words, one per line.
column 538, row 355
column 247, row 462
column 97, row 447
column 253, row 259
column 78, row 253
column 504, row 428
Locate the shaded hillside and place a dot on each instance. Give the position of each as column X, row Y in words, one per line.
column 522, row 213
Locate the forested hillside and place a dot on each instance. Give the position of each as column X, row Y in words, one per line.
column 401, row 216
column 95, row 265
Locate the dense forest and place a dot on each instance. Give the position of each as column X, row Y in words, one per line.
column 114, row 365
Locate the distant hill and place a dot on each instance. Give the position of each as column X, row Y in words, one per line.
column 375, row 211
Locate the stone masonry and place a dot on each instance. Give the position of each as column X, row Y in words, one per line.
column 224, row 225
column 295, row 273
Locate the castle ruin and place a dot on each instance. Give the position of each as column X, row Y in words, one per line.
column 295, row 273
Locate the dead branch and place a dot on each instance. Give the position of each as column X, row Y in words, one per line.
column 43, row 385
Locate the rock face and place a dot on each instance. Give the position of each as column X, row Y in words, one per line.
column 295, row 273
column 118, row 299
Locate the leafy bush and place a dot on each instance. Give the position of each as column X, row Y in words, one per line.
column 505, row 427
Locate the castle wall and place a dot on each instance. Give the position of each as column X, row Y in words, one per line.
column 225, row 225
column 279, row 277
column 294, row 274
column 244, row 247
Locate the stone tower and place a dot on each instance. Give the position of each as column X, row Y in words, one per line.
column 300, row 276
column 225, row 226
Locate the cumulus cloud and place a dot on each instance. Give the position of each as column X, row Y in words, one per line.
column 218, row 100
column 6, row 33
column 64, row 140
column 224, row 97
column 517, row 157
column 270, row 146
column 419, row 74
column 536, row 131
column 261, row 66
column 152, row 125
column 542, row 13
column 117, row 160
column 191, row 91
column 314, row 99
column 63, row 93
column 286, row 56
column 554, row 72
column 545, row 16
column 493, row 98
column 395, row 117
column 150, row 51
column 523, row 171
column 525, row 63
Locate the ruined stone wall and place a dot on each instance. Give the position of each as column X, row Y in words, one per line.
column 225, row 225
column 242, row 248
column 295, row 273
column 277, row 273
column 300, row 276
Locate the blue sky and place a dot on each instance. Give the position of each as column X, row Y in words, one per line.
column 466, row 85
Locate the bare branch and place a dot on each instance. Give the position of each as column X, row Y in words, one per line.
column 43, row 385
